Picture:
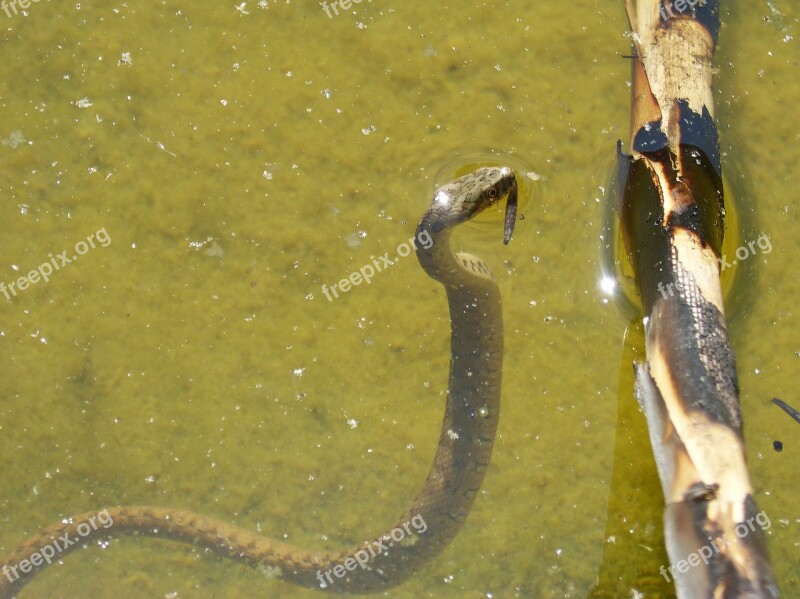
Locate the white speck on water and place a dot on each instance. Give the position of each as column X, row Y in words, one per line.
column 452, row 434
column 209, row 247
column 83, row 103
column 533, row 176
column 353, row 240
column 125, row 58
column 368, row 130
column 352, row 422
column 298, row 372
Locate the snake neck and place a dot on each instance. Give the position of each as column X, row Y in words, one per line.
column 440, row 263
column 476, row 336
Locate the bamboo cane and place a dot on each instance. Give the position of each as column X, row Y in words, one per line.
column 671, row 206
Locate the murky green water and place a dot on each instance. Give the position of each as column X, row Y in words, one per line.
column 241, row 157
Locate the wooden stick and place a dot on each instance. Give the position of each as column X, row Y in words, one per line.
column 671, row 205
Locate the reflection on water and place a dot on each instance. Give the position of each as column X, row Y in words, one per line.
column 241, row 157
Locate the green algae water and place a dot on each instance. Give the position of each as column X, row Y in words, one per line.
column 238, row 157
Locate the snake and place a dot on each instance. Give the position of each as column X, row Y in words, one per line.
column 472, row 410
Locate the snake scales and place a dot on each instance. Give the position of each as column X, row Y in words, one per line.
column 462, row 456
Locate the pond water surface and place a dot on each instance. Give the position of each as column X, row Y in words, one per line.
column 237, row 158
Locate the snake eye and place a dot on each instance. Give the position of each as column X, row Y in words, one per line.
column 492, row 193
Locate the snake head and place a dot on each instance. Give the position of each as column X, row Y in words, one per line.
column 467, row 196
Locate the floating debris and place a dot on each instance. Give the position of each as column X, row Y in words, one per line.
column 787, row 408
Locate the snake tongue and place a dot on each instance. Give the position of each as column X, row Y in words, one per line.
column 511, row 214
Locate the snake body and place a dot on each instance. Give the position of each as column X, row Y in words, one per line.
column 465, row 444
